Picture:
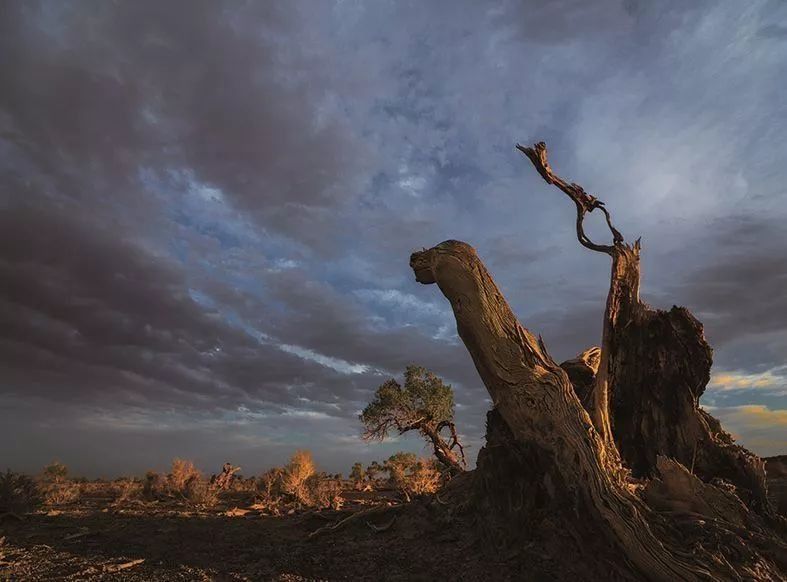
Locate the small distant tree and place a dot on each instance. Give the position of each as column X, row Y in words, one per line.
column 373, row 471
column 300, row 468
column 18, row 493
column 424, row 404
column 398, row 466
column 357, row 475
column 56, row 487
column 55, row 472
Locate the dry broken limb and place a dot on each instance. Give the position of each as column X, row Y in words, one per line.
column 123, row 566
column 654, row 366
column 223, row 480
column 552, row 466
column 354, row 517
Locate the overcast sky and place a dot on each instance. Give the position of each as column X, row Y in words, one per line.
column 207, row 209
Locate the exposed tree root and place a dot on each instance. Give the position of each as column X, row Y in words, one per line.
column 354, row 517
column 381, row 528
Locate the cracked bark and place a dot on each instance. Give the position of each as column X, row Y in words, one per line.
column 562, row 466
column 654, row 366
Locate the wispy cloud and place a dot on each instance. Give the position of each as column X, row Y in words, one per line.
column 209, row 207
column 774, row 380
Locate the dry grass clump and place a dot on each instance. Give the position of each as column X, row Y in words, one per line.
column 296, row 475
column 184, row 482
column 412, row 475
column 125, row 490
column 55, row 486
column 425, row 477
column 270, row 487
column 299, row 482
column 155, row 486
column 18, row 493
column 202, row 493
column 182, row 473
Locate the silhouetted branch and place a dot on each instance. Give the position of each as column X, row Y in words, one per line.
column 585, row 202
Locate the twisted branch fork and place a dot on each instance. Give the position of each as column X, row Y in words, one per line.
column 585, row 202
column 454, row 442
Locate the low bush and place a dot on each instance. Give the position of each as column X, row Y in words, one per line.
column 125, row 490
column 182, row 472
column 55, row 486
column 299, row 482
column 184, row 482
column 18, row 493
column 412, row 475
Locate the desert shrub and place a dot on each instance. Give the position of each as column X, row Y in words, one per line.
column 124, row 490
column 244, row 485
column 155, row 486
column 184, row 482
column 296, row 473
column 18, row 493
column 323, row 492
column 55, row 486
column 424, row 478
column 357, row 476
column 398, row 467
column 60, row 493
column 55, row 471
column 182, row 472
column 300, row 483
column 412, row 475
column 373, row 471
column 201, row 492
column 270, row 486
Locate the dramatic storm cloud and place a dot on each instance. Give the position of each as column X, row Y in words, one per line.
column 207, row 209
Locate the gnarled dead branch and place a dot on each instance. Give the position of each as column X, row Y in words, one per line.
column 654, row 366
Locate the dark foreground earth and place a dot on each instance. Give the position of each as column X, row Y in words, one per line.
column 98, row 538
column 96, row 541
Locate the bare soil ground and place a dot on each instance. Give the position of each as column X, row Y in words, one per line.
column 97, row 540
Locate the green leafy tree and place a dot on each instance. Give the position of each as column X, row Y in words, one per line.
column 424, row 404
column 55, row 472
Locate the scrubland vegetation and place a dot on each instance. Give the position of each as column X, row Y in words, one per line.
column 282, row 522
column 63, row 524
column 296, row 486
column 293, row 504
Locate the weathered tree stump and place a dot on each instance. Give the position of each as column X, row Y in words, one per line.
column 559, row 457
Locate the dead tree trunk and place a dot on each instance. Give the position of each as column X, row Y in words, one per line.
column 553, row 462
column 654, row 367
column 443, row 451
column 544, row 450
column 582, row 372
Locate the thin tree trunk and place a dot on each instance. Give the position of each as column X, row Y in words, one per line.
column 443, row 453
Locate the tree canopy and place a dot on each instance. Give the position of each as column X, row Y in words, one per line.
column 425, row 404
